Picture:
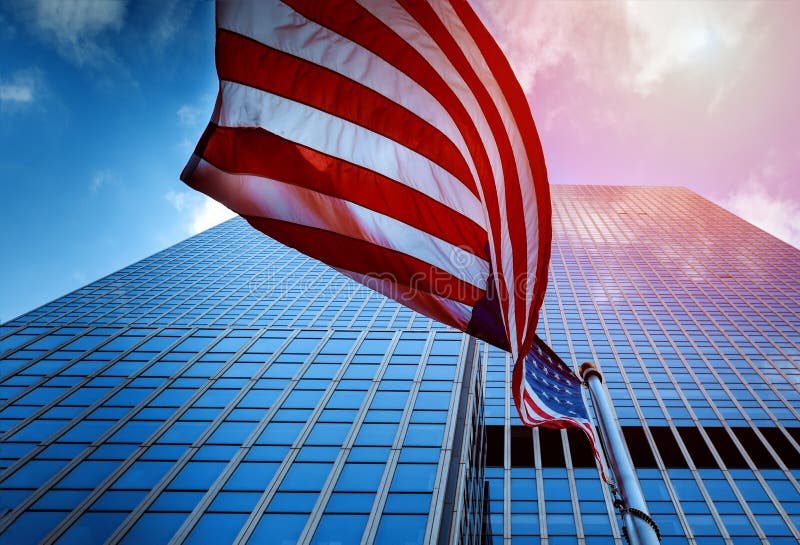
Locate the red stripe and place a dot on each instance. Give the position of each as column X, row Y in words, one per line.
column 427, row 18
column 515, row 96
column 243, row 60
column 351, row 20
column 365, row 258
column 262, row 153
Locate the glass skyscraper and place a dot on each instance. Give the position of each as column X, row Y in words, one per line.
column 230, row 390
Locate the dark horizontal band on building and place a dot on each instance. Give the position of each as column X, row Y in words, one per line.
column 663, row 439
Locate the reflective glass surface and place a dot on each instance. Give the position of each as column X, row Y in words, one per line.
column 229, row 390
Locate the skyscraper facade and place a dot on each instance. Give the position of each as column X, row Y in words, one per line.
column 693, row 316
column 229, row 390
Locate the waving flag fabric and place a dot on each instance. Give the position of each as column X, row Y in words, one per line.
column 548, row 393
column 392, row 141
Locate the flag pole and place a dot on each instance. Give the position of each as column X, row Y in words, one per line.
column 639, row 528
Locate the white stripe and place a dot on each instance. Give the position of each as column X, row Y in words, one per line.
column 290, row 32
column 459, row 313
column 530, row 210
column 263, row 197
column 244, row 106
column 396, row 18
column 531, row 414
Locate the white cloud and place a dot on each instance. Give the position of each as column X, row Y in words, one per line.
column 766, row 208
column 75, row 27
column 209, row 214
column 634, row 44
column 199, row 211
column 667, row 36
column 20, row 90
column 104, row 36
column 540, row 36
column 16, row 92
column 192, row 117
column 169, row 17
column 177, row 199
column 189, row 116
column 100, row 179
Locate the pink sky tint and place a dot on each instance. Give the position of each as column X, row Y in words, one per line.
column 697, row 94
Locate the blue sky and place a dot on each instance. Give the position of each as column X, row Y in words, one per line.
column 100, row 106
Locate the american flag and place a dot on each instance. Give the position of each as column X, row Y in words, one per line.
column 547, row 393
column 392, row 141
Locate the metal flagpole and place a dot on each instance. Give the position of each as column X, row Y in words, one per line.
column 640, row 528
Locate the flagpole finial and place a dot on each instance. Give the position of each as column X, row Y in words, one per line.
column 588, row 369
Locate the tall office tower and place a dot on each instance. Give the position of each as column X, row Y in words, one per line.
column 230, row 389
column 693, row 316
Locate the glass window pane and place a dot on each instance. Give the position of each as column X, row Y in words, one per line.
column 278, row 529
column 401, row 530
column 340, row 530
